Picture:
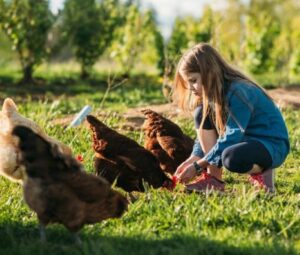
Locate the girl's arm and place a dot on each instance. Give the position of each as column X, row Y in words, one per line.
column 196, row 155
column 197, row 149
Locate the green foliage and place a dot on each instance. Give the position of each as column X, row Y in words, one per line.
column 26, row 23
column 295, row 44
column 90, row 28
column 155, row 39
column 178, row 40
column 229, row 30
column 138, row 31
column 262, row 28
column 260, row 35
column 295, row 62
column 188, row 31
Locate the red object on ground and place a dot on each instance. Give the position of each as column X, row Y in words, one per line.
column 174, row 180
column 170, row 184
column 79, row 158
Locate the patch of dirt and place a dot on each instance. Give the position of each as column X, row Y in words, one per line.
column 284, row 97
column 65, row 121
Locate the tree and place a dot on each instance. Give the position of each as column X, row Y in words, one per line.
column 263, row 27
column 155, row 39
column 229, row 30
column 26, row 23
column 286, row 50
column 294, row 63
column 130, row 39
column 176, row 44
column 188, row 31
column 90, row 28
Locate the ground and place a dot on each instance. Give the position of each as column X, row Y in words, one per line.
column 241, row 221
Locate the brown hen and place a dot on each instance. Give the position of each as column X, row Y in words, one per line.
column 59, row 191
column 166, row 141
column 121, row 159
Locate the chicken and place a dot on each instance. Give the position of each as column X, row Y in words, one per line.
column 58, row 189
column 10, row 166
column 166, row 141
column 122, row 160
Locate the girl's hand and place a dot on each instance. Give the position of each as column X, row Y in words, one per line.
column 184, row 164
column 188, row 173
column 181, row 168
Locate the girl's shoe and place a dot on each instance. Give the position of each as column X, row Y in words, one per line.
column 264, row 180
column 205, row 182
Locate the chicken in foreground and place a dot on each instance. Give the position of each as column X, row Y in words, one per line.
column 166, row 141
column 10, row 166
column 122, row 160
column 59, row 191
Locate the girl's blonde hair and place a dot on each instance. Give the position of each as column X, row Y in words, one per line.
column 214, row 71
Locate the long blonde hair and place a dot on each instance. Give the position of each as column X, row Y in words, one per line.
column 214, row 71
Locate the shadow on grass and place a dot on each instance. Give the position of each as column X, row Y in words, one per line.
column 71, row 86
column 55, row 86
column 16, row 238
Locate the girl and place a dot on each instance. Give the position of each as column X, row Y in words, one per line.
column 238, row 125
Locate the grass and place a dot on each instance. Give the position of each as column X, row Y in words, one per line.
column 159, row 222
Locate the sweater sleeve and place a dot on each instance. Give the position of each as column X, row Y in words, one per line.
column 239, row 114
column 197, row 149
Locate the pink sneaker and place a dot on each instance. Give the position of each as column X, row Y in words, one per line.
column 205, row 182
column 264, row 180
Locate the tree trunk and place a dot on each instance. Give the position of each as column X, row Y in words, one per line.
column 84, row 73
column 27, row 74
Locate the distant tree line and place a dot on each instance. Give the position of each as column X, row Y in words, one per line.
column 262, row 35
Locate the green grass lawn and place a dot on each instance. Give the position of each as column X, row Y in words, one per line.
column 159, row 222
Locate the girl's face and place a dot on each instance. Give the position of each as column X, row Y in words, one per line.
column 193, row 80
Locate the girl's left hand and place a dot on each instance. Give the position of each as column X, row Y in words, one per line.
column 187, row 174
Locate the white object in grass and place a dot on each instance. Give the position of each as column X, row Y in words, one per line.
column 79, row 118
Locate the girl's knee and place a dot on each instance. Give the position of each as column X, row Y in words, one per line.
column 231, row 161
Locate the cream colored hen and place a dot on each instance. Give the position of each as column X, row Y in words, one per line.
column 10, row 165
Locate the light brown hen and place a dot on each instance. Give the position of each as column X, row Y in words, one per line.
column 10, row 166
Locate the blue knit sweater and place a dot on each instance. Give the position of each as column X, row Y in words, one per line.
column 251, row 115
